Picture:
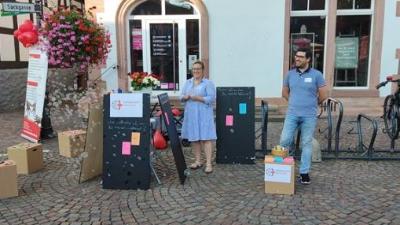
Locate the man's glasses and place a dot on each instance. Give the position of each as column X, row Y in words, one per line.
column 300, row 56
column 197, row 69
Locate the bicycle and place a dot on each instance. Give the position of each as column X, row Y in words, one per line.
column 391, row 117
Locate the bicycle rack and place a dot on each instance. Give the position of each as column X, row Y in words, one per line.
column 263, row 130
column 329, row 106
column 361, row 147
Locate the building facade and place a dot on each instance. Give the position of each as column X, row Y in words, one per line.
column 354, row 42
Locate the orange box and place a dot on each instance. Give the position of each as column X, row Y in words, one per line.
column 279, row 178
column 8, row 179
column 27, row 156
column 71, row 143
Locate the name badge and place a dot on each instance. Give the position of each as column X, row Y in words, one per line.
column 308, row 79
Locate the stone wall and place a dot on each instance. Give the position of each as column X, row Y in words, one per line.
column 13, row 86
column 12, row 89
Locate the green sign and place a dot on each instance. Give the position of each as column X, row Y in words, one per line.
column 11, row 13
column 346, row 53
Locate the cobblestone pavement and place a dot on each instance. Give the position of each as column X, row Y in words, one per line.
column 342, row 192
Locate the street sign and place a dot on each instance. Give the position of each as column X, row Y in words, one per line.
column 19, row 7
column 11, row 13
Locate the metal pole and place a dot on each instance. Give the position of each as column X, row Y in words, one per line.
column 39, row 12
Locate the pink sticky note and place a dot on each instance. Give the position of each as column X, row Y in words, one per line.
column 229, row 120
column 126, row 148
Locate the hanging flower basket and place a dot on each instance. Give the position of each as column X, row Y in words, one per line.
column 74, row 39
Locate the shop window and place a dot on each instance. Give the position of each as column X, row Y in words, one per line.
column 149, row 7
column 192, row 44
column 352, row 51
column 136, row 45
column 317, row 4
column 354, row 4
column 299, row 4
column 304, row 5
column 174, row 7
column 308, row 32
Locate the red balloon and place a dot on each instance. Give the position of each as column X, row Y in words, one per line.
column 27, row 34
column 32, row 37
column 26, row 26
column 28, row 39
column 159, row 141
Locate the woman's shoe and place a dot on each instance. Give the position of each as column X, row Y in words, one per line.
column 208, row 169
column 195, row 166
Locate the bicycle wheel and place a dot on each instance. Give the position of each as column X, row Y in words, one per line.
column 390, row 117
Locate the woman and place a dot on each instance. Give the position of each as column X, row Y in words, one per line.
column 198, row 127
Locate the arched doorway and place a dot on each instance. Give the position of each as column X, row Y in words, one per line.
column 162, row 37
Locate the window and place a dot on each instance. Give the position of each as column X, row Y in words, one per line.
column 304, row 5
column 136, row 45
column 353, row 4
column 192, row 44
column 150, row 7
column 307, row 30
column 352, row 50
column 173, row 7
column 353, row 37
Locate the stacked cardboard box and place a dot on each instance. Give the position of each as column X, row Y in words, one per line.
column 8, row 179
column 71, row 143
column 279, row 175
column 27, row 156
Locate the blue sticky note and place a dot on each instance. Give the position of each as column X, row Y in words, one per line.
column 242, row 108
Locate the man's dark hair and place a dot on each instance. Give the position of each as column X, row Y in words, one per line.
column 307, row 51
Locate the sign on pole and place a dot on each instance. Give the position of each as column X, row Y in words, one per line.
column 18, row 7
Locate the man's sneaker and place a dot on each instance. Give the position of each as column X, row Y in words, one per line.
column 305, row 179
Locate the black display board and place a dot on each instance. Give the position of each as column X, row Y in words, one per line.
column 173, row 136
column 126, row 171
column 235, row 125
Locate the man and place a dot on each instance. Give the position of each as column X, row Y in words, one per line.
column 304, row 88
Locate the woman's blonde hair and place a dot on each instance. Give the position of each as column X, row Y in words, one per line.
column 200, row 63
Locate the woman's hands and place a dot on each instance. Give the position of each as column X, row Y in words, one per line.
column 193, row 97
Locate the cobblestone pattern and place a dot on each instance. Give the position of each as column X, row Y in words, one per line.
column 342, row 192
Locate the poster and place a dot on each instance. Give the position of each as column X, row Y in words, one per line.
column 35, row 94
column 346, row 53
column 137, row 39
column 161, row 39
column 126, row 105
column 278, row 173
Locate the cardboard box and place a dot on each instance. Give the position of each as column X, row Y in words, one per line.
column 279, row 178
column 71, row 143
column 8, row 179
column 27, row 156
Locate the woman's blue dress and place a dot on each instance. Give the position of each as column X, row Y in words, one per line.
column 198, row 121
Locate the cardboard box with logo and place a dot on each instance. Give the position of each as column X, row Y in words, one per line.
column 8, row 179
column 27, row 156
column 71, row 143
column 279, row 177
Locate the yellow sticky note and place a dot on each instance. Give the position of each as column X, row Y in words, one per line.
column 135, row 140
